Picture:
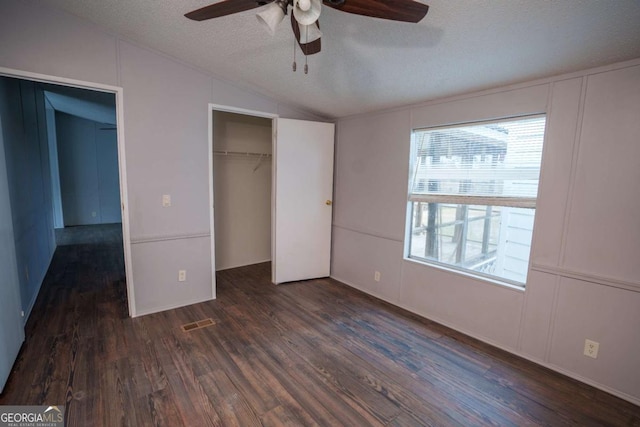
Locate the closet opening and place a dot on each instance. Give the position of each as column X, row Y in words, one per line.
column 242, row 147
column 271, row 190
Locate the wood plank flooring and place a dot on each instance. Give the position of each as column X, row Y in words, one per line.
column 308, row 353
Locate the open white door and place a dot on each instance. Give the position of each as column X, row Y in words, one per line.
column 303, row 194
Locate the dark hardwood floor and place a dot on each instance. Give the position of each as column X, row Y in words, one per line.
column 308, row 353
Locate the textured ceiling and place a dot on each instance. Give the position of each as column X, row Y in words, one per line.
column 369, row 64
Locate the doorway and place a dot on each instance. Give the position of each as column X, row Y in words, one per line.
column 242, row 177
column 300, row 161
column 83, row 159
column 91, row 113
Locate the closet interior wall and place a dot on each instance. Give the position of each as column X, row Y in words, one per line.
column 242, row 189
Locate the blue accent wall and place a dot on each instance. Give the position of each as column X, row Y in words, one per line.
column 11, row 327
column 29, row 183
column 88, row 165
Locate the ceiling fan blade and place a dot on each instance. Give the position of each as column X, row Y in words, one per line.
column 395, row 10
column 223, row 8
column 307, row 48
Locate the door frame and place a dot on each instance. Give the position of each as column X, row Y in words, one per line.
column 118, row 92
column 246, row 112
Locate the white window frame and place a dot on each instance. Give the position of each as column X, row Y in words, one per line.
column 515, row 202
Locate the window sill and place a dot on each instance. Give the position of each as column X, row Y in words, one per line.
column 475, row 277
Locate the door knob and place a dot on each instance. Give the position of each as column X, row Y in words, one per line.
column 328, row 203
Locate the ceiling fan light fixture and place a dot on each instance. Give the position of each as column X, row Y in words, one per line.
column 273, row 15
column 304, row 5
column 310, row 33
column 306, row 12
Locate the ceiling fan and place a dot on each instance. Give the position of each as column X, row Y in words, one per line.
column 305, row 14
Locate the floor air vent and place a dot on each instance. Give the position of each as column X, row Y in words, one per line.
column 197, row 325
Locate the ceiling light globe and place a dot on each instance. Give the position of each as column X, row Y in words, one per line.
column 308, row 16
column 304, row 4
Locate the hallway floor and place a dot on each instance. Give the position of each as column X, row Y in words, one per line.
column 85, row 234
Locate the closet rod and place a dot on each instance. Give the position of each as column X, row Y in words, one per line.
column 241, row 153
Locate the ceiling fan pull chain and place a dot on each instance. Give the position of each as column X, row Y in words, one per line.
column 306, row 36
column 295, row 66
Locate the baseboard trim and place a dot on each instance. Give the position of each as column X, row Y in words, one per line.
column 140, row 313
column 242, row 265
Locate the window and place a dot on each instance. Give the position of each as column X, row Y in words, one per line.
column 472, row 196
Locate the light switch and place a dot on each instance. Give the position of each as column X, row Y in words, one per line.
column 166, row 200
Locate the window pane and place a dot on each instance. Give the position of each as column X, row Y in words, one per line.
column 490, row 240
column 499, row 159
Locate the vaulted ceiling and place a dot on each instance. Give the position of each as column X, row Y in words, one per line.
column 369, row 64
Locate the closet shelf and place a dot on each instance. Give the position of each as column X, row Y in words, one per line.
column 241, row 154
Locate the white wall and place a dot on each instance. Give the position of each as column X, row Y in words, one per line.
column 584, row 279
column 242, row 190
column 166, row 142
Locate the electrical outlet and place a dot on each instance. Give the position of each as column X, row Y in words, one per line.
column 376, row 276
column 166, row 200
column 182, row 275
column 591, row 348
column 94, row 214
